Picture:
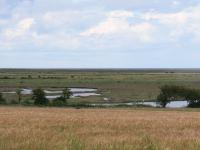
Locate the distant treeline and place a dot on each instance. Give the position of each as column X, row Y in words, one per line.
column 36, row 77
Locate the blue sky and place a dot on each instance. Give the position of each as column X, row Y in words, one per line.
column 99, row 34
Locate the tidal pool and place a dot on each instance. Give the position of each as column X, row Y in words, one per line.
column 76, row 92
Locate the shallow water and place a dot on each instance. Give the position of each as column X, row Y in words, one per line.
column 173, row 104
column 73, row 90
column 76, row 92
column 51, row 97
column 82, row 90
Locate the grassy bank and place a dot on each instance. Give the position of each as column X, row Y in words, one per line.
column 100, row 129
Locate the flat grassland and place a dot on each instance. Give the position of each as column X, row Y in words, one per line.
column 29, row 128
column 117, row 85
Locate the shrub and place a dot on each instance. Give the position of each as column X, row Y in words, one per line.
column 193, row 98
column 13, row 102
column 19, row 94
column 27, row 102
column 2, row 100
column 66, row 94
column 60, row 101
column 39, row 97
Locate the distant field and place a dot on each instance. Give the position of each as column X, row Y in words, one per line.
column 98, row 129
column 118, row 85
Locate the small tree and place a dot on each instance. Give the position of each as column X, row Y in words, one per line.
column 193, row 97
column 19, row 94
column 168, row 93
column 2, row 100
column 39, row 97
column 163, row 100
column 66, row 94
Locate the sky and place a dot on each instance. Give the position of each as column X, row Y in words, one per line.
column 99, row 34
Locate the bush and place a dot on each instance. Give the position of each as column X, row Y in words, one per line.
column 193, row 98
column 2, row 100
column 27, row 102
column 60, row 101
column 19, row 94
column 13, row 102
column 66, row 93
column 39, row 97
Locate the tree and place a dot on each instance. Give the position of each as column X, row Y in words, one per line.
column 170, row 92
column 163, row 100
column 39, row 97
column 19, row 94
column 193, row 98
column 2, row 100
column 66, row 93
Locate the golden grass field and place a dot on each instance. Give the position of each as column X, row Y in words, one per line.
column 29, row 128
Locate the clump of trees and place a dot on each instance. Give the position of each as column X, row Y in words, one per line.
column 169, row 93
column 62, row 100
column 39, row 97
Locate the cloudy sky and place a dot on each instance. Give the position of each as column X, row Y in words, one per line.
column 99, row 34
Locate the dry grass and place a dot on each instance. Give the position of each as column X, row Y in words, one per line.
column 60, row 129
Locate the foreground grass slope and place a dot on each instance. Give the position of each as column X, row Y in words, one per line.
column 100, row 129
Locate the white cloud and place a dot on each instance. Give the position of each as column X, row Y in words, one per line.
column 21, row 28
column 179, row 24
column 117, row 23
column 120, row 14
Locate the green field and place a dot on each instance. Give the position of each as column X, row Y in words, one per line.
column 118, row 85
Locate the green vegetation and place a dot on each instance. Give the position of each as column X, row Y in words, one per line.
column 117, row 86
column 2, row 100
column 39, row 97
column 66, row 94
column 172, row 92
column 60, row 102
column 19, row 94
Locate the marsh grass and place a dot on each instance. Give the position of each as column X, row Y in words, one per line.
column 118, row 86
